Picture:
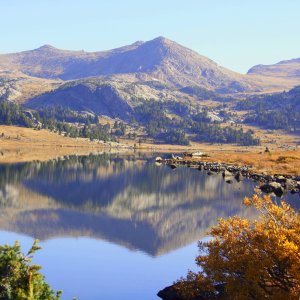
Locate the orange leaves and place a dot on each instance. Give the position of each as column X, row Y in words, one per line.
column 255, row 260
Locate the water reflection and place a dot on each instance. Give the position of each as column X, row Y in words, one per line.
column 126, row 200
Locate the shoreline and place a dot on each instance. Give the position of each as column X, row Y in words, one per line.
column 279, row 184
column 19, row 144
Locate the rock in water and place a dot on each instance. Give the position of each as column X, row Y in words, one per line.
column 272, row 187
column 226, row 173
column 169, row 293
column 238, row 176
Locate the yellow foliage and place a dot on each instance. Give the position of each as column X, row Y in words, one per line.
column 250, row 259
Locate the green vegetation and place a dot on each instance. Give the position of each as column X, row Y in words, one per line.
column 13, row 114
column 119, row 128
column 19, row 278
column 58, row 119
column 63, row 114
column 201, row 93
column 213, row 133
column 153, row 115
column 175, row 136
column 277, row 111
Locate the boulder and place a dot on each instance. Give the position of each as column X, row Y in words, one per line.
column 228, row 179
column 169, row 293
column 226, row 173
column 290, row 184
column 281, row 179
column 269, row 178
column 272, row 187
column 211, row 173
column 238, row 176
column 294, row 191
column 257, row 177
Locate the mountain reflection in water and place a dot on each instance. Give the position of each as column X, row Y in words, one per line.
column 126, row 200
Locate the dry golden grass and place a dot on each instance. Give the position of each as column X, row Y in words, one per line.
column 25, row 144
column 277, row 162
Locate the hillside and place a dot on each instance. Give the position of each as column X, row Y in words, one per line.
column 15, row 86
column 110, row 96
column 158, row 87
column 157, row 69
column 99, row 97
column 284, row 69
column 159, row 59
column 275, row 111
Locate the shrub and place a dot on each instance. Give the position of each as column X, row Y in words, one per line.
column 19, row 278
column 249, row 259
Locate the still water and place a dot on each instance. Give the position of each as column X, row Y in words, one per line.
column 113, row 226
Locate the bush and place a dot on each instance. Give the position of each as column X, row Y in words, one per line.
column 250, row 260
column 19, row 278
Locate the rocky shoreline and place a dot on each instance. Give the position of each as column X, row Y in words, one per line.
column 279, row 184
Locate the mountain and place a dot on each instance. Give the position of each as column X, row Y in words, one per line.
column 95, row 96
column 15, row 86
column 284, row 69
column 112, row 82
column 161, row 58
column 111, row 96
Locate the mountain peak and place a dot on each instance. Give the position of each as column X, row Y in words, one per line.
column 47, row 47
column 162, row 40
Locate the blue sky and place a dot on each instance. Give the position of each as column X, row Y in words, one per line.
column 235, row 33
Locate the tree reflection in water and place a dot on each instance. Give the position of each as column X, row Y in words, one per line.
column 127, row 200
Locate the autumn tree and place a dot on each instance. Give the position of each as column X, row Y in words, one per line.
column 19, row 278
column 249, row 259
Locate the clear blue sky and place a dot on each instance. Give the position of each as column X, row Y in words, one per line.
column 235, row 33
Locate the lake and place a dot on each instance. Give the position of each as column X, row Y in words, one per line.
column 114, row 226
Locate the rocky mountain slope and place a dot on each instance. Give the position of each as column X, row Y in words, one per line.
column 112, row 82
column 112, row 96
column 160, row 59
column 15, row 86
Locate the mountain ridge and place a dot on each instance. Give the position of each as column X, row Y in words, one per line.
column 159, row 69
column 283, row 69
column 160, row 58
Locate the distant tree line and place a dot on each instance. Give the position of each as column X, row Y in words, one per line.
column 58, row 119
column 164, row 121
column 13, row 114
column 214, row 133
column 201, row 93
column 152, row 114
column 64, row 114
column 276, row 111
